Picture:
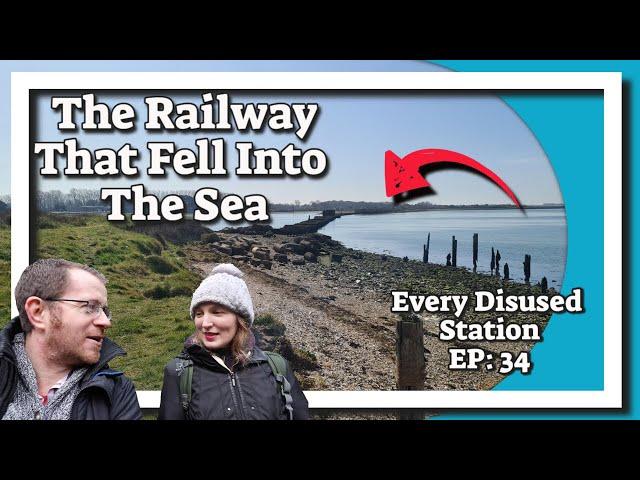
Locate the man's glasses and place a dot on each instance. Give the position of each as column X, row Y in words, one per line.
column 90, row 308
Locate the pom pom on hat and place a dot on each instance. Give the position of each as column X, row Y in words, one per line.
column 227, row 268
column 226, row 287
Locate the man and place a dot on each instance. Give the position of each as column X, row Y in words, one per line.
column 53, row 356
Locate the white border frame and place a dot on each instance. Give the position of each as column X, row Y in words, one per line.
column 609, row 83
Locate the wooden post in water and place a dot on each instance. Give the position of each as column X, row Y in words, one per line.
column 527, row 267
column 410, row 352
column 475, row 252
column 425, row 250
column 544, row 285
column 493, row 260
column 454, row 251
column 506, row 271
column 498, row 257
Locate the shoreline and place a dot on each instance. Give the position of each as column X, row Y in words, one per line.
column 340, row 311
column 554, row 278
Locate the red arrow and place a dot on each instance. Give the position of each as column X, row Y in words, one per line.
column 402, row 174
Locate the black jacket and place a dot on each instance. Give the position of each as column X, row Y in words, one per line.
column 105, row 394
column 248, row 393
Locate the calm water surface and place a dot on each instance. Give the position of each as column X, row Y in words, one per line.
column 539, row 233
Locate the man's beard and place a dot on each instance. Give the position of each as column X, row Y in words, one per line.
column 62, row 349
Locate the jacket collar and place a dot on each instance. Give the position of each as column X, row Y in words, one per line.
column 109, row 350
column 200, row 354
column 6, row 339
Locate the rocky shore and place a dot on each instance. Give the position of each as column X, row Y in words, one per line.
column 334, row 304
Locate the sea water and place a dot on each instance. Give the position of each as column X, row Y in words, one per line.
column 541, row 233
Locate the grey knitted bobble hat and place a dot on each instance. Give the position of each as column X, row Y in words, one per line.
column 225, row 286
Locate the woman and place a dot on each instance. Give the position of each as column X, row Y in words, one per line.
column 221, row 374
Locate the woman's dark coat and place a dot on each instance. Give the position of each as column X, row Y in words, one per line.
column 247, row 392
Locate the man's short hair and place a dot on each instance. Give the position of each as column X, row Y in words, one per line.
column 47, row 278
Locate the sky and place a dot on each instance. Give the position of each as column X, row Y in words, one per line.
column 353, row 130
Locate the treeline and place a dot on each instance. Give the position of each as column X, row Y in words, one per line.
column 76, row 199
column 348, row 206
column 83, row 200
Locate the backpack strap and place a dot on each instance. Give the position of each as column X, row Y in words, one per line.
column 184, row 369
column 279, row 368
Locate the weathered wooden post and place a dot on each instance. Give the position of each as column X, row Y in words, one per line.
column 475, row 252
column 410, row 361
column 506, row 271
column 527, row 267
column 410, row 352
column 448, row 259
column 425, row 250
column 544, row 285
column 454, row 251
column 498, row 257
column 493, row 260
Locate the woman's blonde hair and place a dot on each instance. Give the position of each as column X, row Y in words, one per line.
column 239, row 344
